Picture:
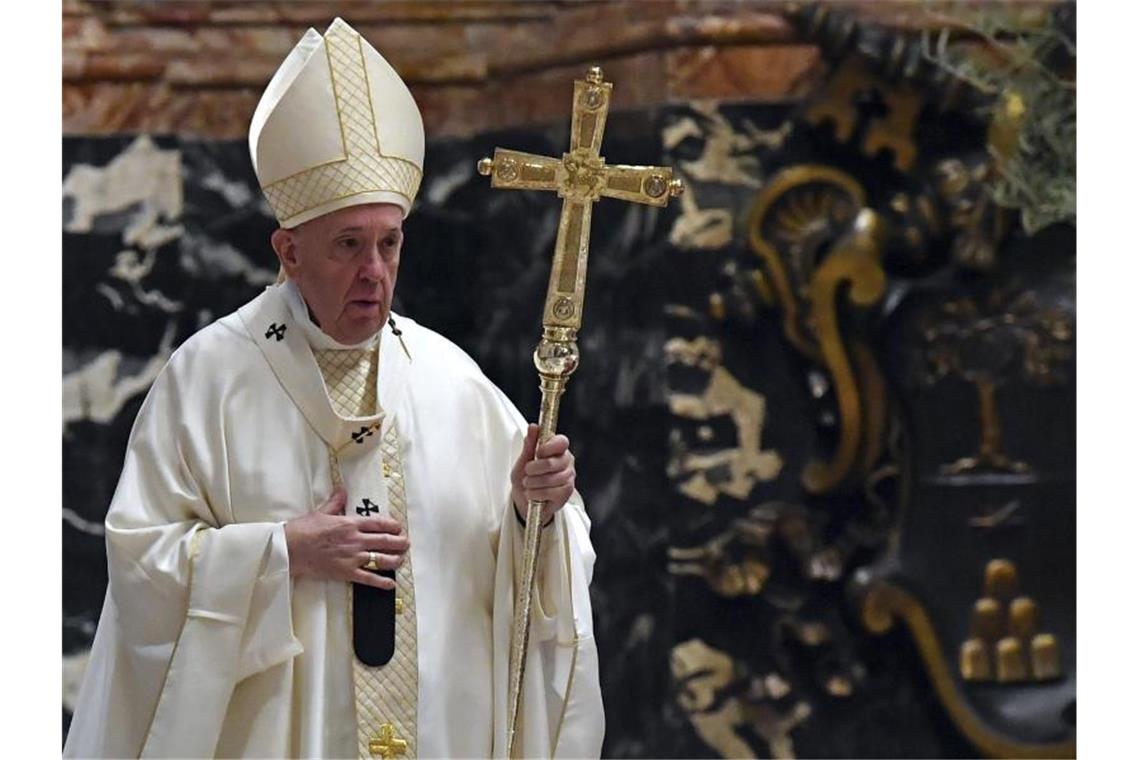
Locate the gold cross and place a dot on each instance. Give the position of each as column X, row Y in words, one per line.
column 387, row 745
column 580, row 177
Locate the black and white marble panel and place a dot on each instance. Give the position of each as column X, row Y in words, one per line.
column 164, row 235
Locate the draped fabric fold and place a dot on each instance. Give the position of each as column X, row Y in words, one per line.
column 206, row 645
column 186, row 584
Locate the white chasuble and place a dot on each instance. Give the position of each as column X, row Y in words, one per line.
column 208, row 647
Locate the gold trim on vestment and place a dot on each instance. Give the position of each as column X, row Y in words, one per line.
column 577, row 640
column 394, row 686
column 192, row 552
column 386, row 694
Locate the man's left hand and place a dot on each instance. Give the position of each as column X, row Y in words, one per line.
column 547, row 476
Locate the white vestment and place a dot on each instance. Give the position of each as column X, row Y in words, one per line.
column 206, row 646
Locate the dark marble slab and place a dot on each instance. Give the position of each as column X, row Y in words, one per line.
column 474, row 268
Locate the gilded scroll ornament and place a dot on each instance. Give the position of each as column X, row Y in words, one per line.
column 798, row 211
column 854, row 265
column 883, row 602
column 816, row 242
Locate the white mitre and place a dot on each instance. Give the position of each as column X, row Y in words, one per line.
column 336, row 127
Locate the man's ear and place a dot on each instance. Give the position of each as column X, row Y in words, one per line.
column 284, row 244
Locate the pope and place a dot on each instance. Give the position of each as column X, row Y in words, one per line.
column 315, row 544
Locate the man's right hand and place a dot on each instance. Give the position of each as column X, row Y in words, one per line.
column 327, row 545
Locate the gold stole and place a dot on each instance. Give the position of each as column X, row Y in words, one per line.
column 386, row 696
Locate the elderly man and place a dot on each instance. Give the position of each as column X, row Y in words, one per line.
column 315, row 542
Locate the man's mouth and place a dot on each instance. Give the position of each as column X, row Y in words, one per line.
column 364, row 303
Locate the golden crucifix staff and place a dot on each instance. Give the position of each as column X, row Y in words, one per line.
column 580, row 177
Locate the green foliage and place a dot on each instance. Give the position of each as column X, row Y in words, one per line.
column 1023, row 53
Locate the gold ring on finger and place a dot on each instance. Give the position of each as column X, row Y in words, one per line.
column 371, row 563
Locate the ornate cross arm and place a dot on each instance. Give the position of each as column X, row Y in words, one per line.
column 580, row 178
column 516, row 170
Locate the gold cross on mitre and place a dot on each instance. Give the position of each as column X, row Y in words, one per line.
column 387, row 745
column 580, row 177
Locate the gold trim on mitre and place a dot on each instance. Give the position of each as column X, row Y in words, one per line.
column 336, row 127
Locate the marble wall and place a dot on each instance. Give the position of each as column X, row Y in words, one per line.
column 197, row 67
column 684, row 425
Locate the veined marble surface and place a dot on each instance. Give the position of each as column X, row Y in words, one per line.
column 678, row 432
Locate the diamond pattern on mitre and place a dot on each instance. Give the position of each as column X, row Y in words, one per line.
column 364, row 170
column 353, row 99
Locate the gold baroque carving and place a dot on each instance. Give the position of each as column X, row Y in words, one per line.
column 819, row 183
column 789, row 227
column 838, row 104
column 882, row 604
column 1005, row 644
column 854, row 262
column 732, row 563
column 1021, row 338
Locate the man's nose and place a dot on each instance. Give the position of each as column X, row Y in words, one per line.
column 372, row 267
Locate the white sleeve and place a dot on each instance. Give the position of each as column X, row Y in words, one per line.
column 200, row 603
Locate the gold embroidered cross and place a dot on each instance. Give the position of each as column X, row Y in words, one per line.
column 387, row 745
